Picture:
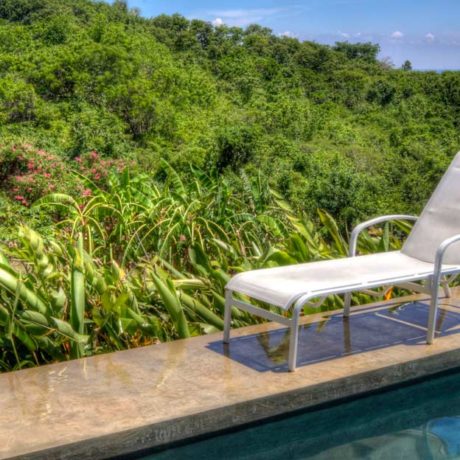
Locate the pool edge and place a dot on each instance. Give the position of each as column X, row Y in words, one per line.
column 164, row 433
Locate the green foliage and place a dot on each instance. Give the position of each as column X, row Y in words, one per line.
column 216, row 118
column 236, row 147
column 96, row 129
column 78, row 76
column 18, row 101
column 407, row 65
column 381, row 92
column 142, row 262
column 362, row 51
column 20, row 10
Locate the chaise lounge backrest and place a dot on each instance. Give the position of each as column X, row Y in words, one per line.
column 439, row 220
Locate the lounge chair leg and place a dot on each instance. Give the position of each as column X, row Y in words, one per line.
column 293, row 341
column 228, row 315
column 433, row 311
column 346, row 305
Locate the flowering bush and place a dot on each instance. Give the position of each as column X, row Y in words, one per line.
column 27, row 173
column 97, row 168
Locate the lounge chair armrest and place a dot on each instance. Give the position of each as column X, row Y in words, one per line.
column 440, row 256
column 378, row 220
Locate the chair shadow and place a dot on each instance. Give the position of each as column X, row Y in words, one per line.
column 336, row 336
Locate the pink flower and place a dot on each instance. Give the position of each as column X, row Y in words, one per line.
column 78, row 159
column 86, row 192
column 94, row 155
column 21, row 199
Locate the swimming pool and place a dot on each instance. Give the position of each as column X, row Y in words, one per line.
column 418, row 421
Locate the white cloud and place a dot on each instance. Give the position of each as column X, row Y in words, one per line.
column 243, row 17
column 288, row 33
column 429, row 37
column 344, row 34
column 397, row 35
column 236, row 14
column 218, row 22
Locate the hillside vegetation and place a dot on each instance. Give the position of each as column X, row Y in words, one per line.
column 331, row 126
column 145, row 161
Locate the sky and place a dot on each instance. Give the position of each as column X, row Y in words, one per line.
column 427, row 32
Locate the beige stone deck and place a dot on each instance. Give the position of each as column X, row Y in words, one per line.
column 122, row 402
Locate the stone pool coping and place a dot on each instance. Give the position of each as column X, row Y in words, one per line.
column 118, row 403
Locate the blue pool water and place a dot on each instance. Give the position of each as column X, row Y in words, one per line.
column 419, row 421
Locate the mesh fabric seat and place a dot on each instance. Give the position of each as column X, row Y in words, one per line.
column 283, row 286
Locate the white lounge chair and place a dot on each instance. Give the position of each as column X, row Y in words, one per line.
column 431, row 251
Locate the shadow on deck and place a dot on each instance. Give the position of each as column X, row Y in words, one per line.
column 336, row 336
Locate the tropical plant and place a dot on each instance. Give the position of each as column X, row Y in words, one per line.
column 141, row 262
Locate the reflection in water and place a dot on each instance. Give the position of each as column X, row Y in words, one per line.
column 346, row 335
column 439, row 439
column 336, row 336
column 441, row 317
column 414, row 422
column 278, row 352
column 404, row 310
column 447, row 430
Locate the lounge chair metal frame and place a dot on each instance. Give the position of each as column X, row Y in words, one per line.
column 433, row 281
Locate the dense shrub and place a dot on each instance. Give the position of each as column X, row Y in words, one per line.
column 236, row 147
column 78, row 76
column 144, row 262
column 27, row 173
column 18, row 100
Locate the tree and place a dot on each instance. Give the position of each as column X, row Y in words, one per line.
column 363, row 51
column 20, row 10
column 407, row 65
column 387, row 63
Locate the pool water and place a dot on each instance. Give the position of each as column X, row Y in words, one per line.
column 419, row 421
